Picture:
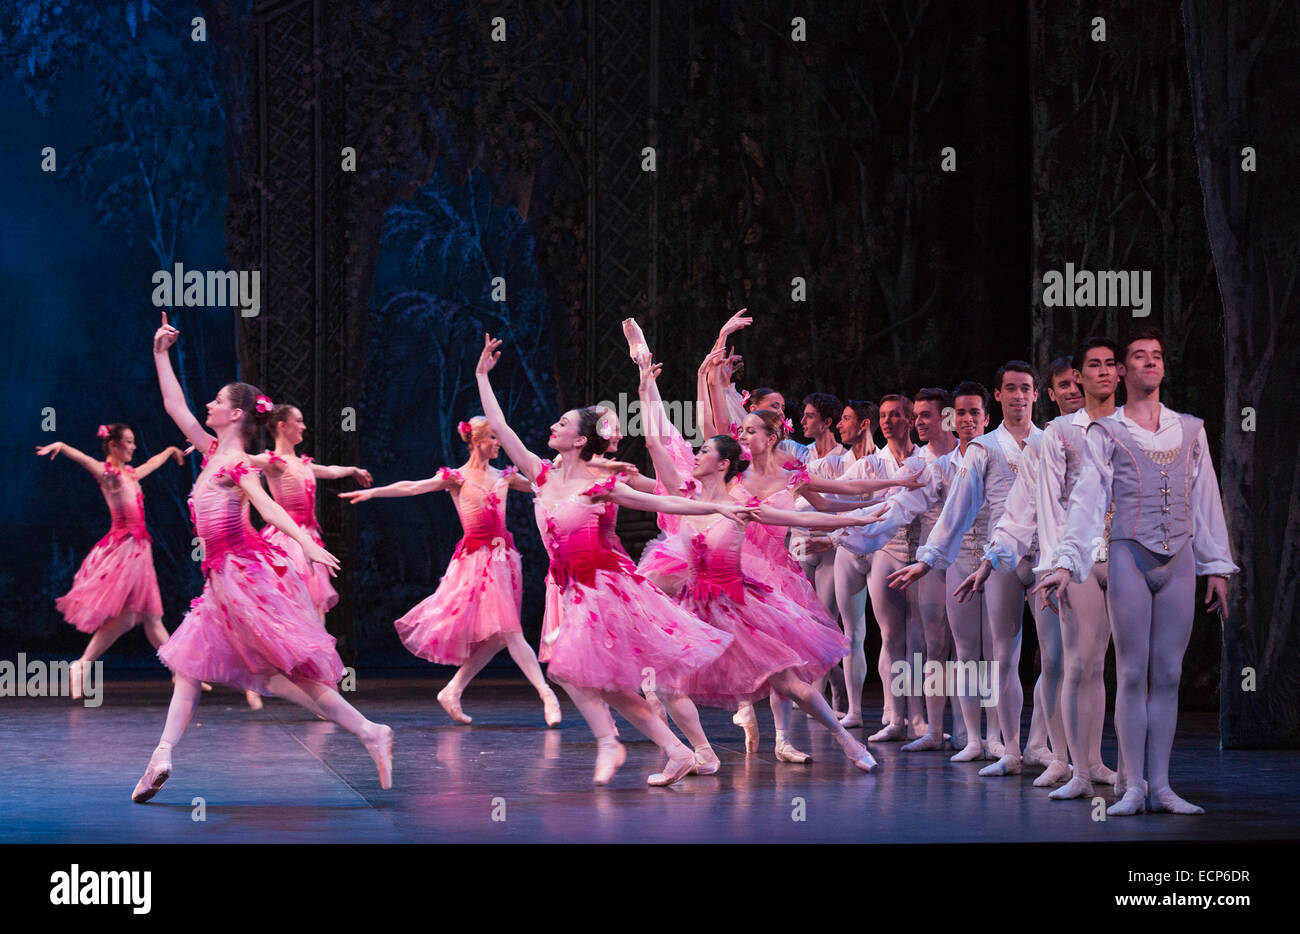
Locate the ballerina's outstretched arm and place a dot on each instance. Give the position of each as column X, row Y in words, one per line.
column 624, row 495
column 173, row 396
column 159, row 459
column 529, row 464
column 276, row 515
column 55, row 448
column 328, row 472
column 817, row 520
column 442, row 480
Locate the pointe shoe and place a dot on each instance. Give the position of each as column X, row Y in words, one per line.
column 609, row 757
column 892, row 733
column 748, row 721
column 859, row 755
column 381, row 750
column 203, row 685
column 678, row 767
column 158, row 771
column 551, row 708
column 76, row 671
column 787, row 753
column 706, row 761
column 254, row 699
column 451, row 704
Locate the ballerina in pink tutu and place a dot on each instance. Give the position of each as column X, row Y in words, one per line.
column 116, row 586
column 765, row 483
column 253, row 626
column 474, row 613
column 607, row 632
column 779, row 648
column 292, row 480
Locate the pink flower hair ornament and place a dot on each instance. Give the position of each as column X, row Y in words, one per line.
column 264, row 404
column 103, row 431
column 465, row 429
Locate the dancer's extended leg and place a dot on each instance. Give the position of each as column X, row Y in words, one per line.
column 524, row 657
column 810, row 700
column 449, row 696
column 851, row 573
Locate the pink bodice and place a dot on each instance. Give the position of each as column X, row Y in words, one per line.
column 713, row 545
column 578, row 535
column 125, row 503
column 769, row 540
column 482, row 510
column 219, row 511
column 294, row 488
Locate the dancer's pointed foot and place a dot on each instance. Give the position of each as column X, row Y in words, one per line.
column 1133, row 802
column 76, row 672
column 748, row 721
column 1038, row 755
column 706, row 761
column 1102, row 775
column 254, row 700
column 1006, row 765
column 159, row 770
column 380, row 747
column 1164, row 800
column 858, row 754
column 787, row 753
column 1077, row 787
column 1055, row 773
column 681, row 761
column 551, row 708
column 450, row 701
column 892, row 733
column 610, row 754
column 203, row 685
column 927, row 742
column 970, row 752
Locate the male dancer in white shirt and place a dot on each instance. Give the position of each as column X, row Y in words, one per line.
column 986, row 478
column 1152, row 465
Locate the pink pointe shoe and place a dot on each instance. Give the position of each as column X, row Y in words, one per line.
column 254, row 700
column 551, row 709
column 680, row 764
column 610, row 756
column 381, row 750
column 159, row 770
column 76, row 671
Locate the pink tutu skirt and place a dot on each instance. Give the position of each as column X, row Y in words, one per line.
column 782, row 574
column 663, row 563
column 771, row 634
column 316, row 576
column 479, row 597
column 623, row 634
column 252, row 621
column 116, row 577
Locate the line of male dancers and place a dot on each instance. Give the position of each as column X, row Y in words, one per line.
column 1103, row 520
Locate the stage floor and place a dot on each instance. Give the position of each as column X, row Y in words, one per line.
column 279, row 775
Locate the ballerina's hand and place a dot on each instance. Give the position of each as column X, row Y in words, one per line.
column 738, row 512
column 178, row 455
column 729, row 365
column 489, row 357
column 735, row 323
column 319, row 555
column 911, row 481
column 876, row 516
column 904, row 577
column 357, row 496
column 649, row 371
column 50, row 449
column 362, row 476
column 165, row 336
column 1052, row 585
column 973, row 584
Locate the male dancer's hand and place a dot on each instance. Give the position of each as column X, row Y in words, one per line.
column 1216, row 595
column 1052, row 585
column 973, row 584
column 904, row 577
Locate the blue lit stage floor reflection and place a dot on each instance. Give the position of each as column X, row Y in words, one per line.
column 280, row 775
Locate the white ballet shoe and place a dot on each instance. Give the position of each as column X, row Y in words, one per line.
column 787, row 753
column 1038, row 755
column 1163, row 800
column 679, row 765
column 969, row 753
column 76, row 671
column 610, row 756
column 748, row 721
column 1102, row 775
column 1133, row 802
column 1076, row 787
column 1055, row 773
column 706, row 761
column 926, row 743
column 551, row 709
column 851, row 721
column 451, row 704
column 859, row 755
column 1006, row 765
column 380, row 748
column 892, row 733
column 159, row 770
